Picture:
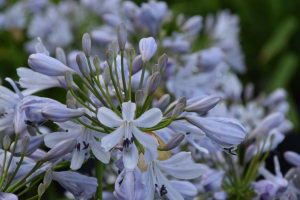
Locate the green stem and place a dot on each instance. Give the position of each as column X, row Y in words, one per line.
column 117, row 76
column 158, row 127
column 87, row 98
column 10, row 159
column 31, row 185
column 98, row 94
column 169, row 110
column 123, row 76
column 90, row 66
column 139, row 145
column 32, row 198
column 3, row 167
column 23, row 184
column 99, row 172
column 119, row 94
column 129, row 84
column 80, row 101
column 90, row 127
column 142, row 76
column 15, row 173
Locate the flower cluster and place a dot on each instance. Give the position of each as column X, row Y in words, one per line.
column 147, row 117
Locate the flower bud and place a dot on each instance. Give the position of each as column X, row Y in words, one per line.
column 59, row 113
column 48, row 178
column 6, row 142
column 177, row 110
column 182, row 100
column 86, row 44
column 122, row 36
column 109, row 57
column 41, row 190
column 96, row 62
column 59, row 150
column 60, row 55
column 70, row 104
column 155, row 68
column 162, row 63
column 106, row 76
column 34, row 143
column 69, row 79
column 147, row 48
column 152, row 83
column 174, row 141
column 163, row 102
column 115, row 48
column 204, row 104
column 63, row 84
column 137, row 64
column 70, row 97
column 139, row 98
column 25, row 145
column 83, row 65
column 131, row 53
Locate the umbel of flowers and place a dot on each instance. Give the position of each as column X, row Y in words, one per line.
column 103, row 116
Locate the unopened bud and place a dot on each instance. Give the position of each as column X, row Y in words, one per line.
column 96, row 62
column 162, row 63
column 109, row 57
column 6, row 142
column 131, row 54
column 60, row 55
column 115, row 48
column 174, row 141
column 163, row 102
column 70, row 104
column 106, row 76
column 152, row 83
column 86, row 44
column 71, row 97
column 137, row 64
column 182, row 100
column 25, row 145
column 249, row 91
column 155, row 68
column 177, row 110
column 59, row 113
column 122, row 36
column 31, row 131
column 139, row 98
column 59, row 150
column 69, row 79
column 48, row 178
column 41, row 190
column 82, row 65
column 204, row 104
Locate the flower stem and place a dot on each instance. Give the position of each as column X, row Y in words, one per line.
column 31, row 185
column 80, row 101
column 99, row 170
column 123, row 76
column 129, row 84
column 119, row 94
column 142, row 76
column 117, row 76
column 15, row 173
column 3, row 167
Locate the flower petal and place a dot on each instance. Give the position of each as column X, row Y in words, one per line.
column 145, row 139
column 53, row 138
column 108, row 117
column 131, row 157
column 149, row 119
column 179, row 158
column 128, row 110
column 98, row 151
column 77, row 159
column 113, row 138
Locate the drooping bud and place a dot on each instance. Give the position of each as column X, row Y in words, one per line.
column 137, row 64
column 60, row 55
column 6, row 142
column 152, row 83
column 59, row 113
column 204, row 104
column 59, row 150
column 86, row 44
column 174, row 141
column 177, row 110
column 82, row 65
column 31, row 131
column 48, row 178
column 70, row 104
column 41, row 190
column 96, row 62
column 131, row 54
column 106, row 76
column 122, row 36
column 139, row 98
column 69, row 79
column 162, row 63
column 25, row 145
column 155, row 68
column 115, row 48
column 109, row 57
column 70, row 97
column 163, row 102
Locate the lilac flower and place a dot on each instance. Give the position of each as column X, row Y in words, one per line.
column 128, row 127
column 8, row 196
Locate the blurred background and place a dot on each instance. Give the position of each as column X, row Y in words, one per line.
column 269, row 37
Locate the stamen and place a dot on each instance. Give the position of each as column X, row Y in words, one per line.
column 163, row 190
column 78, row 147
column 13, row 84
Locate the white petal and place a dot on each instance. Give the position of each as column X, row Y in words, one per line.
column 108, row 117
column 77, row 159
column 53, row 138
column 150, row 155
column 188, row 171
column 69, row 125
column 149, row 119
column 147, row 179
column 109, row 141
column 185, row 188
column 179, row 158
column 128, row 110
column 145, row 139
column 98, row 151
column 130, row 158
column 6, row 121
